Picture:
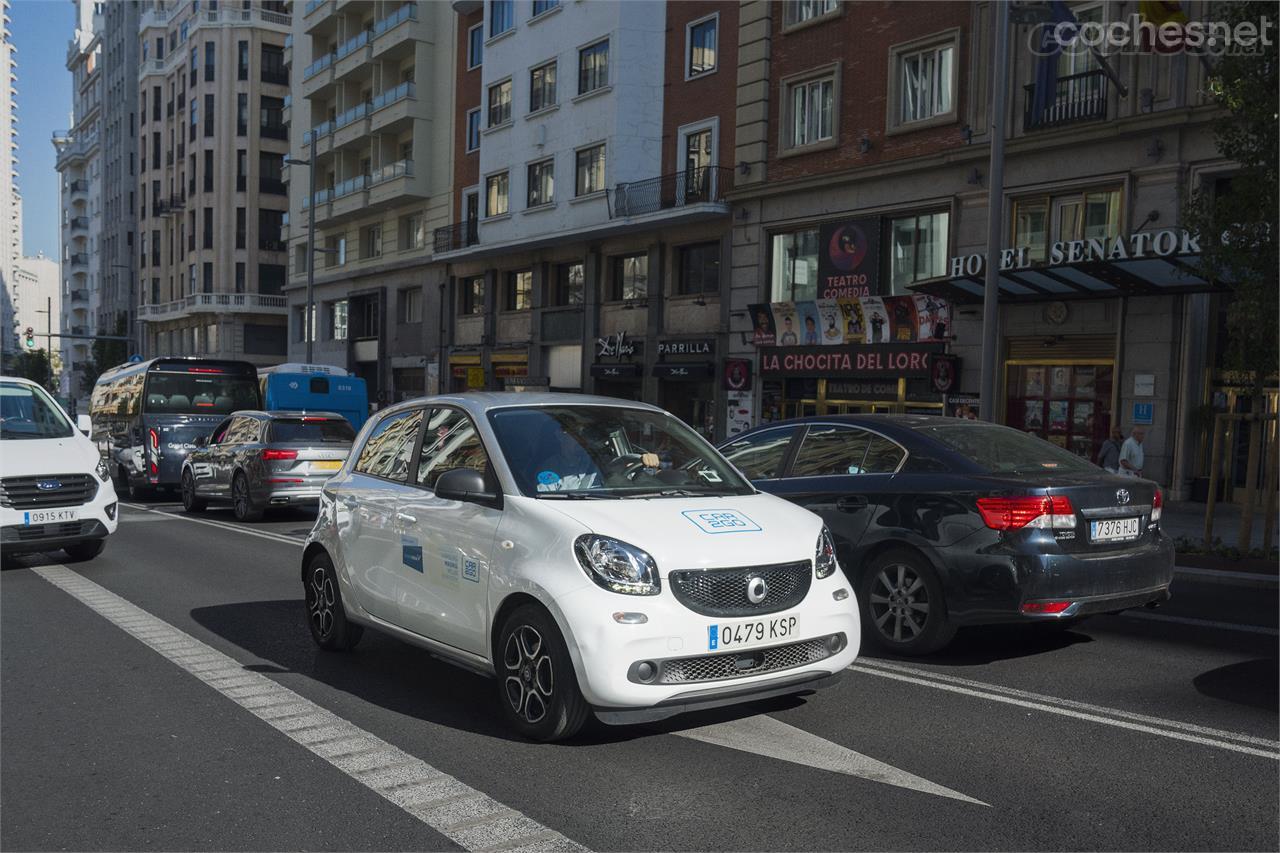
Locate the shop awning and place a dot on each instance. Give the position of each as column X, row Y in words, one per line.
column 1170, row 275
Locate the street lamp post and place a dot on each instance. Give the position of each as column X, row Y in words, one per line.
column 308, row 321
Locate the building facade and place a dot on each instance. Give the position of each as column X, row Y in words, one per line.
column 117, row 302
column 10, row 196
column 79, row 165
column 371, row 119
column 37, row 290
column 211, row 197
column 593, row 154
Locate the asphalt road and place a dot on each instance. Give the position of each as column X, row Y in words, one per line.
column 167, row 695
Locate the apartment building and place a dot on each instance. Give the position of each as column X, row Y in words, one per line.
column 36, row 289
column 862, row 199
column 79, row 164
column 371, row 119
column 211, row 196
column 594, row 146
column 10, row 196
column 117, row 303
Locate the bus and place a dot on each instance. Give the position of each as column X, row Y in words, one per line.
column 147, row 415
column 314, row 388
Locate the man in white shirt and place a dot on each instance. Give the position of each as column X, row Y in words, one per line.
column 1131, row 456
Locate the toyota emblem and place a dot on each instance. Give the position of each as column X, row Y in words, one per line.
column 757, row 589
column 1122, row 496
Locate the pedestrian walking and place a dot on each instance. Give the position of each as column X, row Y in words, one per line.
column 1131, row 455
column 1109, row 455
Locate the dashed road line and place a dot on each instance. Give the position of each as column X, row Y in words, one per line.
column 465, row 816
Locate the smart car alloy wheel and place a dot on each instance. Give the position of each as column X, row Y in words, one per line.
column 530, row 674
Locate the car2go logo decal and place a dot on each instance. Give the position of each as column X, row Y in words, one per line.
column 721, row 521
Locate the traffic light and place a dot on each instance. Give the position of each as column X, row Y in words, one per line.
column 30, row 340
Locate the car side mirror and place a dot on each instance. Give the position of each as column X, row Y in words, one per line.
column 466, row 484
column 202, row 441
column 84, row 423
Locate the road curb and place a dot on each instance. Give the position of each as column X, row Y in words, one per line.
column 1224, row 578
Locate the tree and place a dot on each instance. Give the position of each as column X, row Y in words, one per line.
column 33, row 365
column 104, row 355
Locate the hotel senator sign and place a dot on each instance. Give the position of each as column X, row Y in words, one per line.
column 1142, row 244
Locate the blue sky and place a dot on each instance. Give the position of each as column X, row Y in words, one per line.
column 41, row 30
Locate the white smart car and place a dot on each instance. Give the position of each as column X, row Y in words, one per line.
column 55, row 491
column 595, row 555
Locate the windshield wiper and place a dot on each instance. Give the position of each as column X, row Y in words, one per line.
column 674, row 493
column 570, row 496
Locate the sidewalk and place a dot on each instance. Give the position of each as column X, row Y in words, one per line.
column 1186, row 519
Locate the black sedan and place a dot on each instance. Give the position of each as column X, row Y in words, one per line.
column 944, row 522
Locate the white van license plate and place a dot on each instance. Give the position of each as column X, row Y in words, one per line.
column 738, row 635
column 49, row 516
column 1114, row 529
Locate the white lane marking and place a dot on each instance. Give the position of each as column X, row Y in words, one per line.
column 1217, row 574
column 763, row 735
column 1071, row 703
column 274, row 537
column 457, row 811
column 1068, row 712
column 1202, row 623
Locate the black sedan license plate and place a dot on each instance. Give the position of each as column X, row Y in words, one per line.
column 738, row 635
column 1114, row 529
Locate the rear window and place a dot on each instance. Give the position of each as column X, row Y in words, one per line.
column 310, row 430
column 198, row 393
column 1001, row 450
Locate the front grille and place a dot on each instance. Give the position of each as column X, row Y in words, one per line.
column 26, row 493
column 743, row 664
column 40, row 532
column 723, row 592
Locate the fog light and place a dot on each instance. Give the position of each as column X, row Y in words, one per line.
column 835, row 643
column 646, row 671
column 1045, row 607
column 624, row 618
column 111, row 511
column 840, row 594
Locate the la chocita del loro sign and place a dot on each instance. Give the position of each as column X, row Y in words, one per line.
column 1142, row 244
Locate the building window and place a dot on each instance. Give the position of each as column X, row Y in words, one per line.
column 589, row 172
column 799, row 11
column 471, row 299
column 195, row 119
column 541, row 6
column 240, row 282
column 208, row 228
column 501, row 16
column 542, row 87
column 541, row 183
column 631, row 277
column 519, row 295
column 496, row 201
column 593, row 67
column 926, row 83
column 703, row 46
column 473, row 130
column 812, row 111
column 207, row 272
column 500, row 103
column 270, row 224
column 699, row 269
column 208, row 115
column 1039, row 221
column 794, row 258
column 241, row 226
column 242, row 114
column 413, row 231
column 568, row 285
column 273, row 70
column 372, row 247
column 335, row 254
column 410, row 305
column 208, row 61
column 475, row 46
column 242, row 60
column 194, row 61
column 242, row 169
column 338, row 320
column 917, row 249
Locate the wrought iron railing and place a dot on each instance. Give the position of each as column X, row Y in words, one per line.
column 1075, row 98
column 456, row 236
column 706, row 184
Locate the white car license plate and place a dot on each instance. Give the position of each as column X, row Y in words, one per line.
column 1114, row 529
column 326, row 465
column 739, row 635
column 49, row 516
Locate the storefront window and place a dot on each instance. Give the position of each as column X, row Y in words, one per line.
column 795, row 266
column 472, row 300
column 1067, row 216
column 918, row 250
column 519, row 291
column 1068, row 405
column 568, row 289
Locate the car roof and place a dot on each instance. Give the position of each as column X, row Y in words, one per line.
column 285, row 413
column 19, row 379
column 477, row 403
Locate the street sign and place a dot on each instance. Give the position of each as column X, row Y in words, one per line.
column 1144, row 413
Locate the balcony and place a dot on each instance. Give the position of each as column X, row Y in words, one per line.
column 706, row 185
column 78, row 259
column 392, row 110
column 271, row 186
column 389, row 35
column 325, row 61
column 321, row 197
column 214, row 303
column 349, row 197
column 312, row 5
column 274, row 131
column 1076, row 98
column 457, row 236
column 79, row 294
column 79, row 223
column 351, row 45
column 278, row 76
column 351, row 126
column 78, row 187
column 266, row 244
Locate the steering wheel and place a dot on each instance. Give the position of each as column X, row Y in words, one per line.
column 629, row 465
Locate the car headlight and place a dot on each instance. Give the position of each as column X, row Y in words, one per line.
column 824, row 561
column 104, row 473
column 617, row 566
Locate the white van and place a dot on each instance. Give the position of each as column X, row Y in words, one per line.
column 592, row 554
column 55, row 491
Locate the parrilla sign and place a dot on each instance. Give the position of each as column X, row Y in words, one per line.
column 847, row 362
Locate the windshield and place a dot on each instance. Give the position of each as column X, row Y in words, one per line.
column 1001, row 450
column 609, row 452
column 192, row 393
column 311, row 431
column 28, row 412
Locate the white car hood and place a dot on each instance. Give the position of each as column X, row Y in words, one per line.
column 29, row 457
column 711, row 532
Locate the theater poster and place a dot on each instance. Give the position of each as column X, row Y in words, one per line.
column 877, row 319
column 785, row 324
column 830, row 322
column 902, row 315
column 762, row 325
column 849, row 259
column 934, row 316
column 855, row 328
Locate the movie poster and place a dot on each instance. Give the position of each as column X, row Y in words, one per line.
column 1059, row 381
column 762, row 325
column 830, row 322
column 785, row 324
column 1082, row 417
column 902, row 317
column 807, row 315
column 849, row 258
column 877, row 320
column 855, row 330
column 1086, row 381
column 933, row 314
column 1034, row 417
column 1057, row 415
column 1035, row 382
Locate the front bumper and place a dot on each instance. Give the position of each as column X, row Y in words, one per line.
column 95, row 519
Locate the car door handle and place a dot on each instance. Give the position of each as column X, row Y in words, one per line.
column 851, row 503
column 406, row 518
column 349, row 501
